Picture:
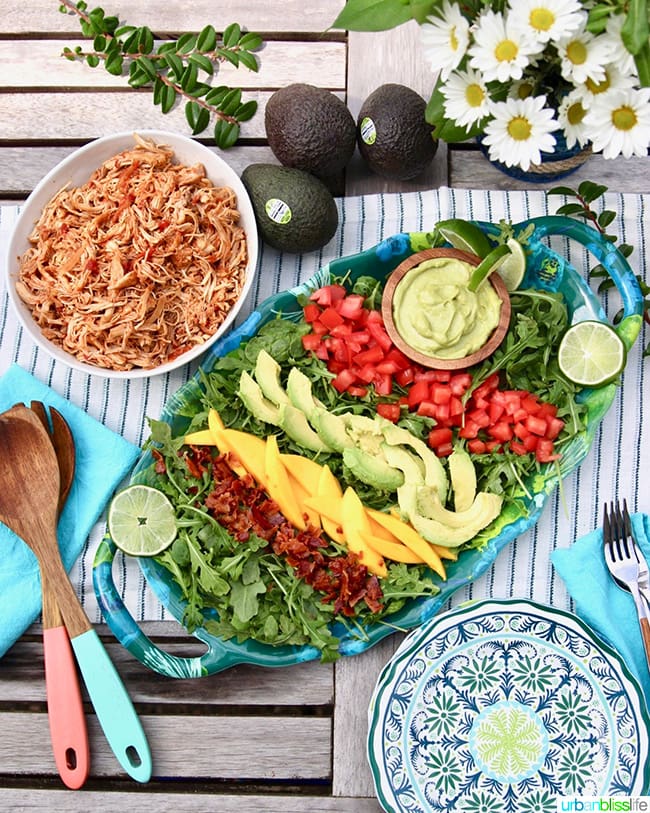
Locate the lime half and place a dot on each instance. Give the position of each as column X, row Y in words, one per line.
column 492, row 262
column 465, row 235
column 141, row 521
column 513, row 268
column 591, row 354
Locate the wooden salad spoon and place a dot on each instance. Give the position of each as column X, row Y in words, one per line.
column 64, row 703
column 29, row 496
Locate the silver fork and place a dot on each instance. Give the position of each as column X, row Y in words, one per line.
column 626, row 564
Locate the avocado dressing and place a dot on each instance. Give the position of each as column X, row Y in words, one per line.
column 436, row 313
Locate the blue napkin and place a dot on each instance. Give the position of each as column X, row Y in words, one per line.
column 103, row 459
column 600, row 602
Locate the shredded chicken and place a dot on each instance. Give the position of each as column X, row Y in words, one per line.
column 138, row 265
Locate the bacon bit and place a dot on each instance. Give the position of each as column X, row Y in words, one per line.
column 160, row 466
column 243, row 508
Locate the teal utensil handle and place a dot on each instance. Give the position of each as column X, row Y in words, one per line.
column 113, row 706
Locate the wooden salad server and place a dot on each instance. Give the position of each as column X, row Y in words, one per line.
column 64, row 703
column 29, row 495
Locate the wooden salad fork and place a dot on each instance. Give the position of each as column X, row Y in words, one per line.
column 29, row 496
column 626, row 563
column 64, row 703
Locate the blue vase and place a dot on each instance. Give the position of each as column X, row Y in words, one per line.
column 554, row 165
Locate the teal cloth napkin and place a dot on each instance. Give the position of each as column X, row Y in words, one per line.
column 600, row 602
column 103, row 459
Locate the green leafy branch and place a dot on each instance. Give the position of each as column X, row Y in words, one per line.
column 175, row 69
column 580, row 206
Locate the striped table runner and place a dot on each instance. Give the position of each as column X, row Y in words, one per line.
column 523, row 569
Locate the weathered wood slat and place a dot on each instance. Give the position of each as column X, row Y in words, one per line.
column 259, row 15
column 38, row 64
column 245, row 748
column 187, row 801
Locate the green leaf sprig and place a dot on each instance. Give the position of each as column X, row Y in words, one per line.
column 176, row 69
column 580, row 206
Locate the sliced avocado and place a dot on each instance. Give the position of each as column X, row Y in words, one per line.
column 434, row 472
column 267, row 375
column 331, row 429
column 300, row 394
column 482, row 504
column 437, row 532
column 409, row 464
column 463, row 478
column 294, row 423
column 253, row 398
column 372, row 469
column 365, row 432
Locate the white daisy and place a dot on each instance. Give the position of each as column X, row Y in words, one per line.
column 571, row 118
column 445, row 37
column 612, row 80
column 619, row 121
column 620, row 56
column 520, row 131
column 466, row 98
column 547, row 19
column 583, row 57
column 498, row 51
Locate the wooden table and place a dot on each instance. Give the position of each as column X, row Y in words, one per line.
column 247, row 739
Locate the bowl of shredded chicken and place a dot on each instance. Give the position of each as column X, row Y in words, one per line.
column 133, row 255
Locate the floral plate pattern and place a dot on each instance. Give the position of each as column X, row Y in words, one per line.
column 502, row 707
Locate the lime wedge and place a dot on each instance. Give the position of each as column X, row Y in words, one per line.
column 492, row 262
column 513, row 268
column 591, row 354
column 141, row 521
column 465, row 235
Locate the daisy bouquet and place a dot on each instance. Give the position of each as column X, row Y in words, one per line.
column 523, row 74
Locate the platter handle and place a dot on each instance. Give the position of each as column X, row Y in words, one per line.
column 218, row 656
column 610, row 258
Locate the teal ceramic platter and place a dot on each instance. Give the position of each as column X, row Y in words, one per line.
column 546, row 269
column 504, row 707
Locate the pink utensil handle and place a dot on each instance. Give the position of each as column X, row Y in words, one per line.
column 65, row 708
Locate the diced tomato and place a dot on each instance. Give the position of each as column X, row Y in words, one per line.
column 356, row 391
column 395, row 355
column 439, row 435
column 445, row 449
column 419, row 392
column 405, row 377
column 544, row 451
column 501, row 431
column 373, row 355
column 351, row 307
column 344, row 379
column 383, row 383
column 553, row 427
column 536, row 426
column 428, row 409
column 440, row 393
column 547, row 410
column 367, row 373
column 311, row 312
column 378, row 333
column 388, row 366
column 469, row 429
column 389, row 411
column 328, row 294
column 476, row 446
column 456, row 406
column 517, row 447
column 459, row 383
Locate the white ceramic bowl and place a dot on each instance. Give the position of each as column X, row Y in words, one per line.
column 75, row 170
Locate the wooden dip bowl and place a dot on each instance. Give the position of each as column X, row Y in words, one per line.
column 425, row 360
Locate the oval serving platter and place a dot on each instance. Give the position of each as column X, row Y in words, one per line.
column 547, row 270
column 506, row 706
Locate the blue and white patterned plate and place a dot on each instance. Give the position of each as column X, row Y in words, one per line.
column 502, row 707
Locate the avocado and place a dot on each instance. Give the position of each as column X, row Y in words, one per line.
column 294, row 211
column 463, row 478
column 372, row 469
column 428, row 504
column 394, row 137
column 440, row 534
column 409, row 464
column 365, row 432
column 294, row 423
column 300, row 394
column 311, row 129
column 267, row 375
column 330, row 428
column 434, row 472
column 253, row 398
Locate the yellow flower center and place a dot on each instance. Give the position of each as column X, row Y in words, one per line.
column 624, row 118
column 575, row 113
column 453, row 39
column 599, row 87
column 474, row 95
column 576, row 52
column 506, row 51
column 519, row 128
column 541, row 19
